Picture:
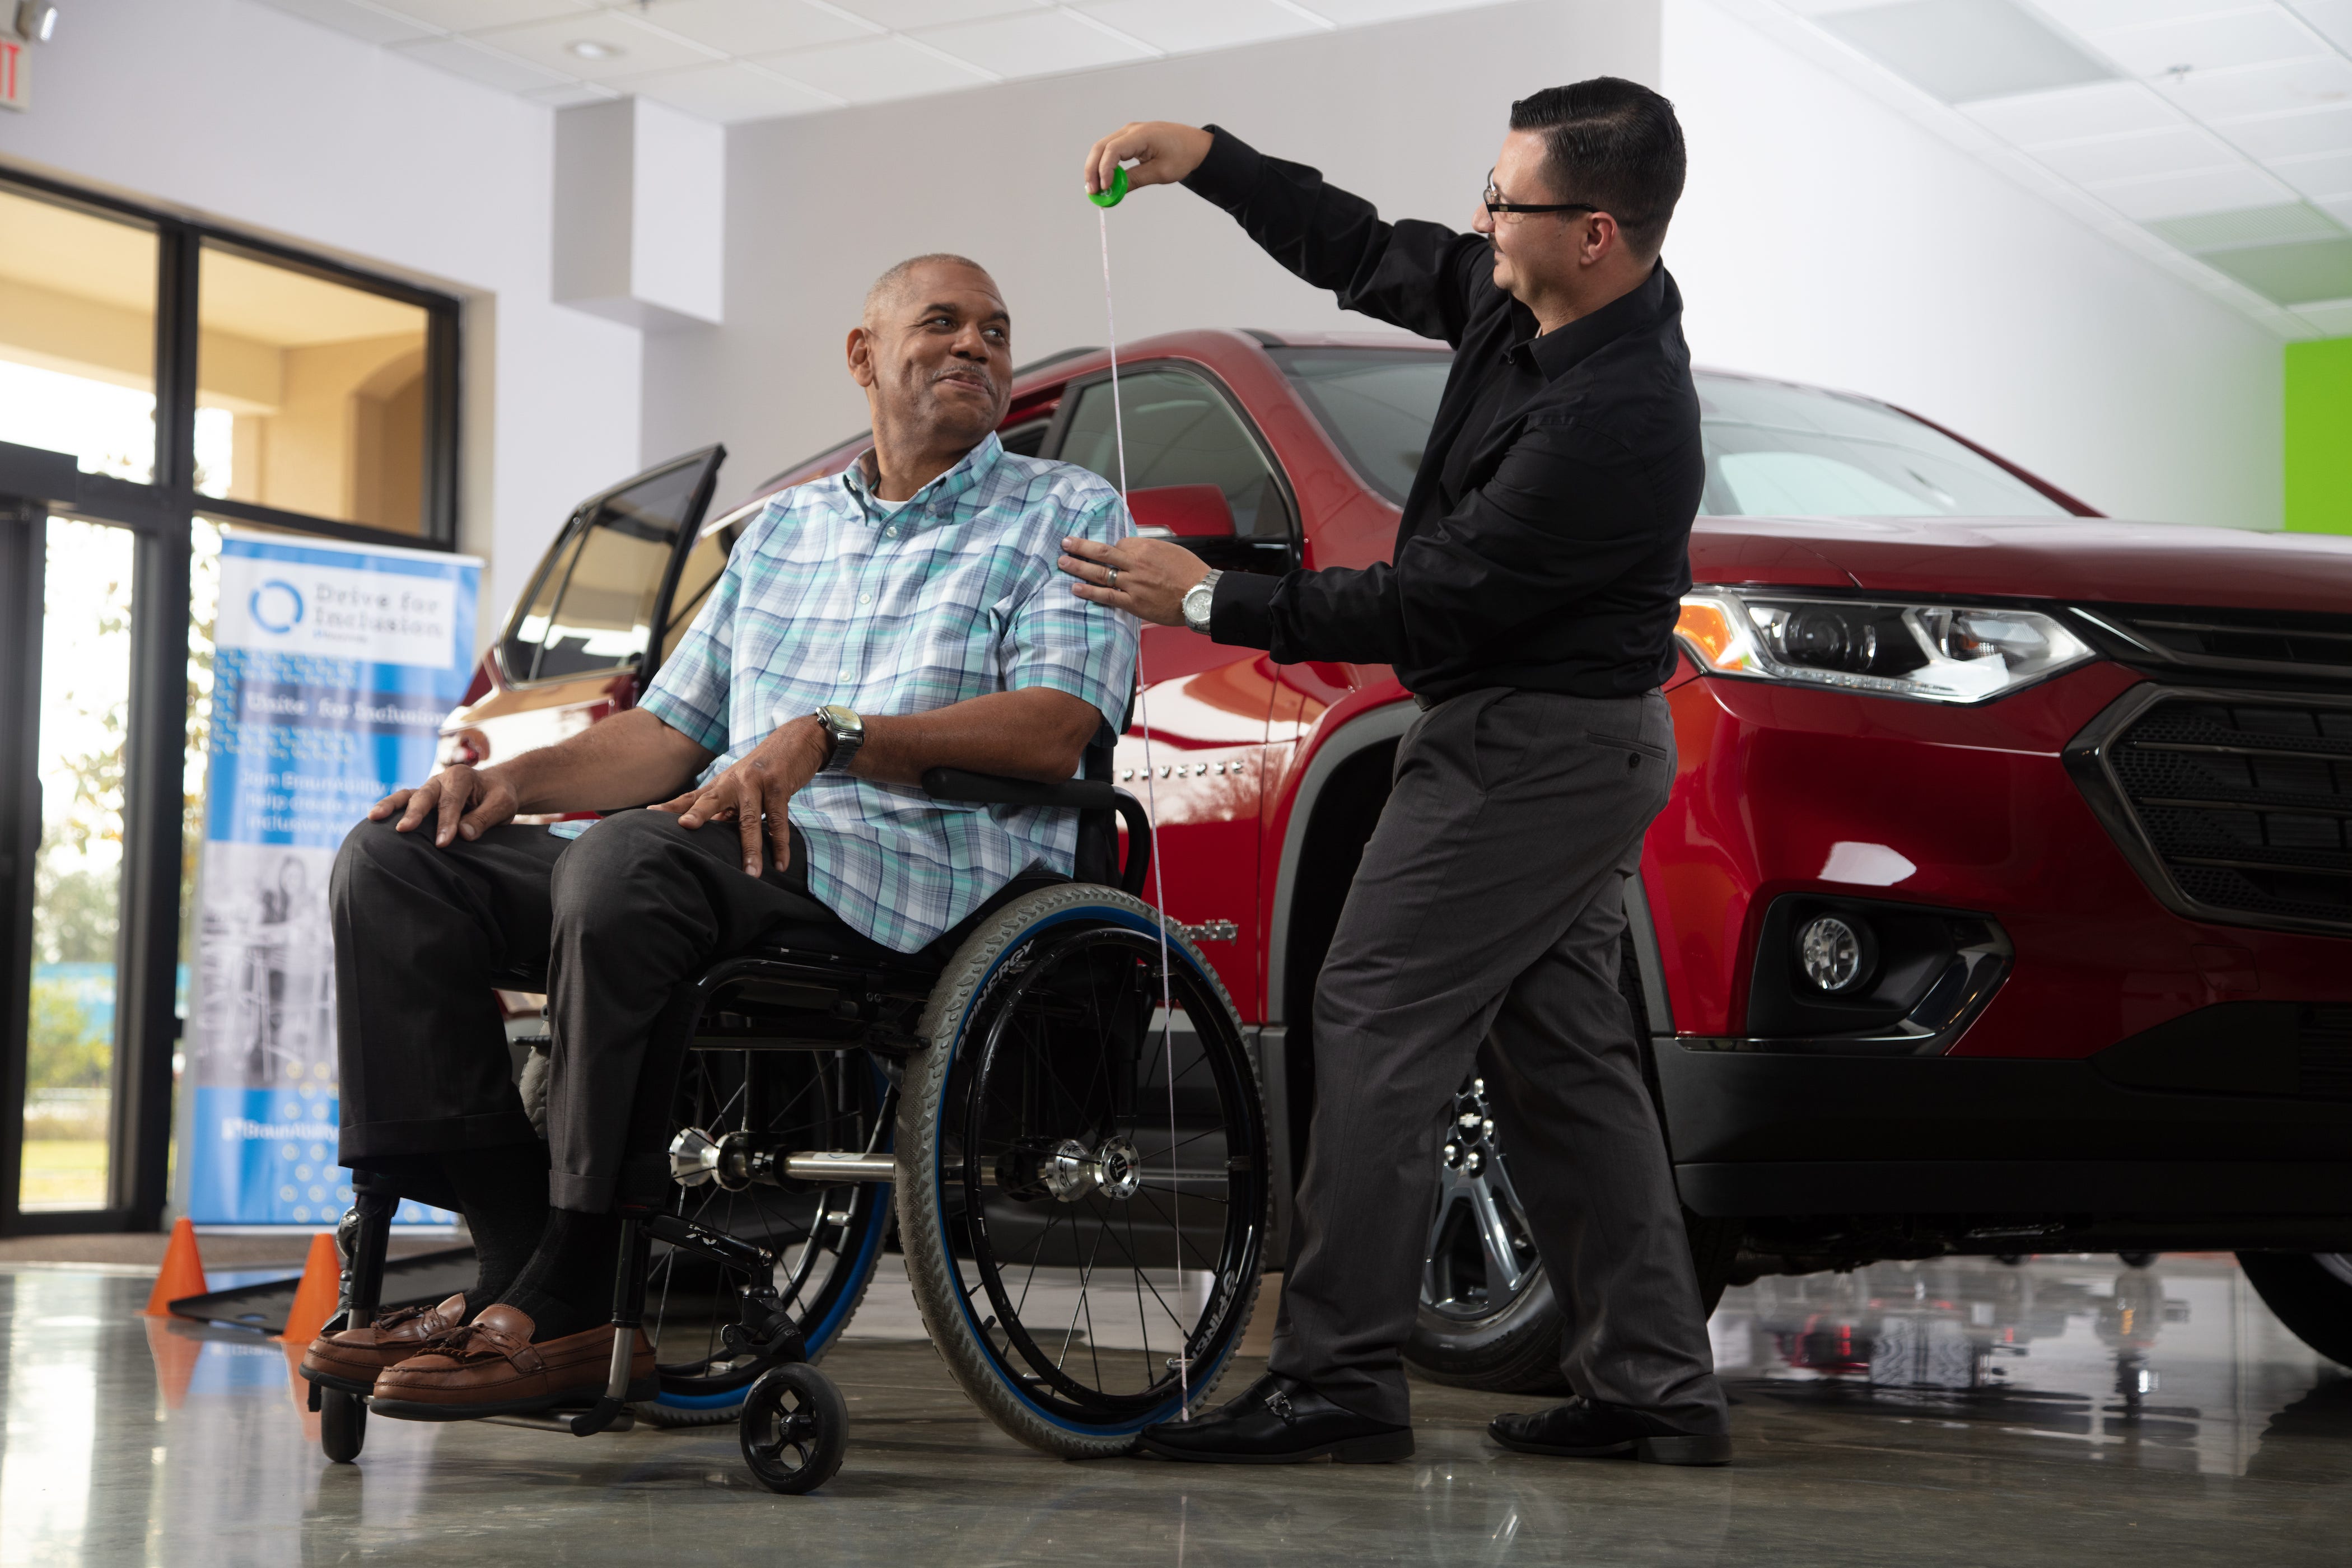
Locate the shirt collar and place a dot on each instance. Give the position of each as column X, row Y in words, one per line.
column 936, row 497
column 1562, row 348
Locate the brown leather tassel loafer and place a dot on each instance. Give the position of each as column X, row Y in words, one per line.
column 349, row 1360
column 489, row 1367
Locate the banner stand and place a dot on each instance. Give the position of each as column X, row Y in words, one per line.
column 333, row 666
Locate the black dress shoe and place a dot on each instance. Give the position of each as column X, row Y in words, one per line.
column 1587, row 1429
column 1278, row 1421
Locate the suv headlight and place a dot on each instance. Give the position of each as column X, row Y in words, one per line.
column 1938, row 653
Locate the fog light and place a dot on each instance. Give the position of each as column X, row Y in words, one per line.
column 1830, row 950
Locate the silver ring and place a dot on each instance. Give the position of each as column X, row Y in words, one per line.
column 1113, row 582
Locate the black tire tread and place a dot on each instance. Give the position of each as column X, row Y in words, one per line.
column 930, row 1272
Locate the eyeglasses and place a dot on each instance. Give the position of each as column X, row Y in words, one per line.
column 1497, row 207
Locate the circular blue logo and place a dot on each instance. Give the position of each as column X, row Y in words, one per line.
column 275, row 606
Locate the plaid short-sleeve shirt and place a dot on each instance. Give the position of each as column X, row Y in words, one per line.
column 833, row 596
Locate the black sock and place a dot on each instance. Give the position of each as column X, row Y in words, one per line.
column 567, row 1285
column 504, row 1194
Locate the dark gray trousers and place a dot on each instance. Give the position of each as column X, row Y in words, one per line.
column 607, row 924
column 1483, row 926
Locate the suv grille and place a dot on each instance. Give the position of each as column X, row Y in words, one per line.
column 2247, row 802
column 2280, row 642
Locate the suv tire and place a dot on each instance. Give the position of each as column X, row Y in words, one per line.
column 2310, row 1292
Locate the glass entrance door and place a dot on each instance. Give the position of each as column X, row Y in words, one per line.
column 83, row 719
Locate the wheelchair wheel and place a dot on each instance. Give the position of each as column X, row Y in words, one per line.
column 342, row 1424
column 828, row 1238
column 795, row 1429
column 1082, row 1192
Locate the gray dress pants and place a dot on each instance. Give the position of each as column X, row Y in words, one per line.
column 1483, row 926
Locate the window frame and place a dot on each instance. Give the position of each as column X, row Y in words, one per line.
column 1066, row 411
column 161, row 515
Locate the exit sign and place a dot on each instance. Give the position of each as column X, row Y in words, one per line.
column 16, row 75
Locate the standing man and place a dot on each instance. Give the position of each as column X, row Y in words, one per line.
column 1530, row 608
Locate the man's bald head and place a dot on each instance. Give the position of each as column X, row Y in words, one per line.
column 903, row 277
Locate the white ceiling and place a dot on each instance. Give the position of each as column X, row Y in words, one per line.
column 733, row 60
column 2213, row 135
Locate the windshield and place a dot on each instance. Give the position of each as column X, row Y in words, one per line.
column 1772, row 450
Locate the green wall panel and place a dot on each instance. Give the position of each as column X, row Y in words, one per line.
column 2319, row 436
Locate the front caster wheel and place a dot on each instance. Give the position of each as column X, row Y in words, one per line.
column 342, row 1424
column 795, row 1429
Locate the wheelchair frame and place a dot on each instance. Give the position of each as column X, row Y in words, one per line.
column 869, row 1004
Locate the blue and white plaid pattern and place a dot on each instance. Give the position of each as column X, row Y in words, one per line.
column 830, row 597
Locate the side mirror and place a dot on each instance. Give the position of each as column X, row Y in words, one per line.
column 1180, row 511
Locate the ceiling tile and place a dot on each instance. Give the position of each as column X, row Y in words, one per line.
column 2253, row 225
column 1042, row 44
column 1176, row 25
column 728, row 93
column 2332, row 17
column 634, row 48
column 2324, row 177
column 360, row 22
column 2290, row 135
column 480, row 65
column 874, row 71
column 2093, row 15
column 2291, row 274
column 2104, row 108
column 1962, row 51
column 2212, row 43
column 752, row 27
column 472, row 16
column 2215, row 96
column 2175, row 150
column 571, row 94
column 2205, row 191
column 1353, row 13
column 933, row 12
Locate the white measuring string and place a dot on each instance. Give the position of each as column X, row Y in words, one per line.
column 1159, row 883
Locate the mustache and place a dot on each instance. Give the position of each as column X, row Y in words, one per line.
column 966, row 371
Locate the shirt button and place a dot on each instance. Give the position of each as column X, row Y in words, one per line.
column 865, row 599
column 889, row 533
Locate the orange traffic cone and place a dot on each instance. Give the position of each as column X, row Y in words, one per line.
column 183, row 1273
column 315, row 1297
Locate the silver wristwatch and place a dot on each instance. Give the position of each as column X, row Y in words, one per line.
column 1197, row 598
column 845, row 730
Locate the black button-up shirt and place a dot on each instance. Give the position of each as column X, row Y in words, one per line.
column 1544, row 544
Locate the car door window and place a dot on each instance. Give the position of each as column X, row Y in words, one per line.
column 593, row 607
column 1180, row 431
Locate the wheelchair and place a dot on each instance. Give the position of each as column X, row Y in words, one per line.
column 1069, row 1136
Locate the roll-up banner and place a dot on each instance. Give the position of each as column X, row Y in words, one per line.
column 333, row 668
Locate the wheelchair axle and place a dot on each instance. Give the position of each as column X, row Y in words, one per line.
column 735, row 1160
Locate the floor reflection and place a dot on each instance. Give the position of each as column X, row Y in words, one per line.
column 2172, row 1364
column 1966, row 1411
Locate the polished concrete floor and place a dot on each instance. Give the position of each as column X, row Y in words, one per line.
column 2069, row 1411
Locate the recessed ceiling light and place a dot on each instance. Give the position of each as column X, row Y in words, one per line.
column 595, row 49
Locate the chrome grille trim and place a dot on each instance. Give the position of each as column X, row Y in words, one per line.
column 2308, row 644
column 2271, row 846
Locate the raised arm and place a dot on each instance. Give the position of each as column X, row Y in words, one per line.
column 1414, row 275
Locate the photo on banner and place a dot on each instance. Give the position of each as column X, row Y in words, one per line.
column 333, row 667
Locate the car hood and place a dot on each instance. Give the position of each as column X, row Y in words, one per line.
column 2088, row 559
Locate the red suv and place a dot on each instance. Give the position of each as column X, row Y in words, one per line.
column 2003, row 903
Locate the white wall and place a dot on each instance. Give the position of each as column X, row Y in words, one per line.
column 1409, row 114
column 245, row 115
column 1825, row 237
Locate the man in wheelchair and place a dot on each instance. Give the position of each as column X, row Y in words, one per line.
column 902, row 616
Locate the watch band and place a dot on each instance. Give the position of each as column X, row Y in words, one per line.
column 845, row 730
